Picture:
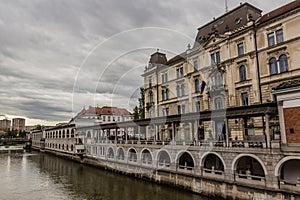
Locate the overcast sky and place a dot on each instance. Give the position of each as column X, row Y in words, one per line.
column 57, row 56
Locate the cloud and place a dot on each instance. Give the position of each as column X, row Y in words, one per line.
column 58, row 56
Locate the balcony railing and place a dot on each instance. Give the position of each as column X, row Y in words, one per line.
column 275, row 144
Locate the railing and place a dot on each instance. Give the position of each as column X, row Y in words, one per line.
column 213, row 171
column 275, row 144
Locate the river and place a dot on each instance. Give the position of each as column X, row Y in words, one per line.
column 30, row 176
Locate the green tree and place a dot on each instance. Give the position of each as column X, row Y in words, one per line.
column 142, row 104
column 136, row 113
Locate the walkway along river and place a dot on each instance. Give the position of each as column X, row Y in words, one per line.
column 43, row 176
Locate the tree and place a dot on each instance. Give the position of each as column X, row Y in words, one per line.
column 139, row 111
column 136, row 113
column 142, row 104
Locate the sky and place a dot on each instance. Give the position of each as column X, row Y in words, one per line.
column 59, row 56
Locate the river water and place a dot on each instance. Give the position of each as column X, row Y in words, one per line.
column 30, row 176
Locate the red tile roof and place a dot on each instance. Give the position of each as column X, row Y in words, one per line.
column 279, row 11
column 105, row 110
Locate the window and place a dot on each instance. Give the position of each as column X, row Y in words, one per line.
column 218, row 103
column 197, row 106
column 283, row 63
column 166, row 112
column 165, row 94
column 150, row 82
column 212, row 58
column 240, row 48
column 180, row 90
column 243, row 73
column 181, row 109
column 197, row 85
column 179, row 72
column 104, row 118
column 273, row 66
column 195, row 65
column 108, row 118
column 218, row 79
column 215, row 58
column 218, row 58
column 271, row 39
column 164, row 78
column 245, row 99
column 279, row 36
column 151, row 97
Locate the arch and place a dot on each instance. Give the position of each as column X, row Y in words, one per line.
column 236, row 160
column 72, row 132
column 163, row 158
column 202, row 160
column 283, row 63
column 243, row 74
column 281, row 163
column 63, row 147
column 273, row 66
column 185, row 160
column 68, row 133
column 110, row 152
column 63, row 134
column 146, row 156
column 132, row 155
column 120, row 153
column 218, row 101
column 72, row 147
column 67, row 147
column 88, row 134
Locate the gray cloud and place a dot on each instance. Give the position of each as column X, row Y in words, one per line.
column 43, row 46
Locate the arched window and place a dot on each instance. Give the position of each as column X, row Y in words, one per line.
column 218, row 79
column 243, row 73
column 218, row 103
column 197, row 88
column 283, row 63
column 273, row 66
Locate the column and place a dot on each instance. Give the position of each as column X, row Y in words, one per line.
column 196, row 134
column 227, row 132
column 126, row 135
column 281, row 121
column 267, row 131
column 139, row 134
column 173, row 132
column 116, row 135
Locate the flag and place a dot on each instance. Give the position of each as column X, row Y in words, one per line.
column 203, row 84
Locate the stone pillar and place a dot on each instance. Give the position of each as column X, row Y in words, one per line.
column 126, row 135
column 196, row 134
column 281, row 121
column 173, row 131
column 139, row 133
column 267, row 131
column 116, row 135
column 227, row 132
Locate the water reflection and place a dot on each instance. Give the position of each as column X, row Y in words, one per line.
column 43, row 176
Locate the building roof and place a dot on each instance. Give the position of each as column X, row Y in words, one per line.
column 279, row 11
column 158, row 58
column 106, row 110
column 177, row 58
column 230, row 21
